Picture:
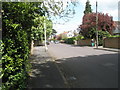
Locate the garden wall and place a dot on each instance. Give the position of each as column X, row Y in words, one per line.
column 111, row 42
column 38, row 43
column 86, row 42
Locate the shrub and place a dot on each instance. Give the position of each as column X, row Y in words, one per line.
column 16, row 23
column 101, row 35
column 14, row 60
column 1, row 74
column 79, row 37
column 70, row 40
column 114, row 36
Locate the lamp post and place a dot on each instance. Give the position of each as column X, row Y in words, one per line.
column 45, row 30
column 96, row 26
column 45, row 34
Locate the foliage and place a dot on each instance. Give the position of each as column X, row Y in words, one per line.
column 49, row 27
column 79, row 37
column 88, row 8
column 101, row 36
column 70, row 40
column 17, row 22
column 114, row 36
column 38, row 28
column 14, row 60
column 64, row 36
column 105, row 23
column 1, row 49
column 61, row 10
column 54, row 31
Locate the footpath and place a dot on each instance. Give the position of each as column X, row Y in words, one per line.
column 45, row 73
column 108, row 49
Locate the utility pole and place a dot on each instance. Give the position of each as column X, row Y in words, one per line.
column 96, row 26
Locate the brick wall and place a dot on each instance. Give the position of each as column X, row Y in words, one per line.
column 86, row 42
column 111, row 42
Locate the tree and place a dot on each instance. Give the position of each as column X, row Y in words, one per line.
column 54, row 31
column 88, row 8
column 38, row 28
column 105, row 26
column 105, row 23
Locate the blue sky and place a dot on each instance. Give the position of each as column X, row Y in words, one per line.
column 108, row 6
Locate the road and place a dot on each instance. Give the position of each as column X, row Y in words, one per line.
column 86, row 67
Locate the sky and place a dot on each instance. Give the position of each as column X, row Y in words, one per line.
column 104, row 6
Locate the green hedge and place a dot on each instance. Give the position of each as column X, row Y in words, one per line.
column 101, row 35
column 15, row 59
column 16, row 24
column 70, row 40
column 114, row 36
column 1, row 74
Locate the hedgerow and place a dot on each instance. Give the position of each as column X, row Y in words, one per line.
column 18, row 20
column 16, row 36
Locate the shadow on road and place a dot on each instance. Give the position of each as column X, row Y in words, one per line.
column 97, row 71
column 44, row 74
column 87, row 71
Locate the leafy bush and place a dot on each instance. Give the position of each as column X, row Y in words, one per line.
column 16, row 24
column 114, row 36
column 14, row 60
column 21, row 22
column 101, row 35
column 70, row 40
column 1, row 74
column 79, row 37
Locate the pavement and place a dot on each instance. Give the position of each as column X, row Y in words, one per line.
column 108, row 49
column 44, row 73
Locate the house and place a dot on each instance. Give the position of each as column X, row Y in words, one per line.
column 70, row 34
column 116, row 31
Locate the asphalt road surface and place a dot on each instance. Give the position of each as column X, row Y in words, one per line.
column 86, row 67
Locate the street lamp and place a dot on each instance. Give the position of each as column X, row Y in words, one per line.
column 96, row 26
column 45, row 34
column 45, row 30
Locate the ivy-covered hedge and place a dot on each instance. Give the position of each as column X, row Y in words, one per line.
column 22, row 22
column 17, row 21
column 14, row 60
column 1, row 74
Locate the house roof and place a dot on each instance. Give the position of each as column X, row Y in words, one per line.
column 117, row 24
column 117, row 30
